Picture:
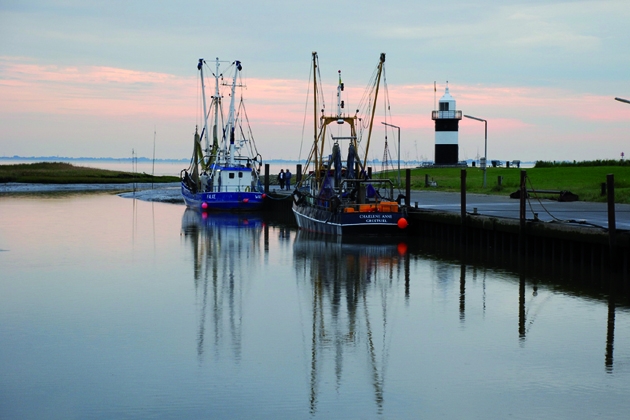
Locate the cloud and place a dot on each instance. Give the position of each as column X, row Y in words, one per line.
column 106, row 103
column 29, row 87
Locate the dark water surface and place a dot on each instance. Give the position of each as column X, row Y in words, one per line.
column 114, row 308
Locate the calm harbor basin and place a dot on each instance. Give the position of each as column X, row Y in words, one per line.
column 113, row 307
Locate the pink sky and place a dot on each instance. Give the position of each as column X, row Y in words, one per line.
column 99, row 111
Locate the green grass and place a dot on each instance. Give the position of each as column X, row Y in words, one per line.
column 66, row 173
column 583, row 181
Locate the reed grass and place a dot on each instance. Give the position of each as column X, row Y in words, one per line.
column 66, row 173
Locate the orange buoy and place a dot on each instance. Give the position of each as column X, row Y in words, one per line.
column 402, row 223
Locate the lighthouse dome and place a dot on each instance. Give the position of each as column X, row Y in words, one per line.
column 447, row 102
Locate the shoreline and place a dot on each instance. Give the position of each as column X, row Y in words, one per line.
column 159, row 192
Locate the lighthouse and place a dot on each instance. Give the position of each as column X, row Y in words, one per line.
column 446, row 130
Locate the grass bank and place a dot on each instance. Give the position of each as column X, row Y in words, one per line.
column 583, row 181
column 66, row 173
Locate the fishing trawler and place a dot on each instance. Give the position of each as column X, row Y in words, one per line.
column 345, row 200
column 224, row 175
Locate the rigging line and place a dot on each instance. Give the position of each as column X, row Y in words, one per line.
column 320, row 94
column 199, row 99
column 308, row 89
column 250, row 138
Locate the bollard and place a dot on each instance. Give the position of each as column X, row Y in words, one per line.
column 500, row 181
column 266, row 178
column 603, row 193
column 426, row 180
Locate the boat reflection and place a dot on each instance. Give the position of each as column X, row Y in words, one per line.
column 225, row 248
column 349, row 287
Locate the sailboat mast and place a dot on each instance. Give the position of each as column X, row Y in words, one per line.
column 230, row 124
column 378, row 81
column 205, row 113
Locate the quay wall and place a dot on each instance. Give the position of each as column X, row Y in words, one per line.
column 573, row 251
column 548, row 248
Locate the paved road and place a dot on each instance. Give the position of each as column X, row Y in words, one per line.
column 580, row 212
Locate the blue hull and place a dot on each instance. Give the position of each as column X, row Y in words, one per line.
column 223, row 201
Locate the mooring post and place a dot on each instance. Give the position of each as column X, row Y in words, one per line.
column 266, row 178
column 463, row 205
column 408, row 188
column 298, row 173
column 369, row 172
column 612, row 227
column 523, row 198
column 426, row 180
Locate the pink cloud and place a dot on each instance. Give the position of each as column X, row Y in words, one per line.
column 518, row 116
column 30, row 88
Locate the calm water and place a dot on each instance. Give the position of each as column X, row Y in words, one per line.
column 113, row 308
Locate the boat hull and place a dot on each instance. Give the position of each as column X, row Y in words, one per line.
column 223, row 201
column 317, row 219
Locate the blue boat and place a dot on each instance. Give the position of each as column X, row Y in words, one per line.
column 224, row 175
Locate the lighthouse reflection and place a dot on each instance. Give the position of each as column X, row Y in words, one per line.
column 225, row 247
column 350, row 288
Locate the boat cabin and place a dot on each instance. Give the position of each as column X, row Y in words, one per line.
column 228, row 179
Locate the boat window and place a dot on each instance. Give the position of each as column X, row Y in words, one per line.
column 231, row 175
column 240, row 174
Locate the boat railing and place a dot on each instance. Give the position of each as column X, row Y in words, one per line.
column 364, row 203
column 377, row 184
column 233, row 188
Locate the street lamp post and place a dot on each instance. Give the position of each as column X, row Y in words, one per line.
column 485, row 153
column 622, row 100
column 395, row 126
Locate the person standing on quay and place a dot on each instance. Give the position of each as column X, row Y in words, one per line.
column 281, row 178
column 287, row 178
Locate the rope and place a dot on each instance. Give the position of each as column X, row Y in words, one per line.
column 555, row 219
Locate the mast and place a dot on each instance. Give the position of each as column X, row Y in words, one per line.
column 205, row 113
column 339, row 101
column 216, row 100
column 317, row 175
column 378, row 80
column 230, row 127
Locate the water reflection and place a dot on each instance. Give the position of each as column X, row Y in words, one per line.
column 225, row 248
column 349, row 286
column 530, row 304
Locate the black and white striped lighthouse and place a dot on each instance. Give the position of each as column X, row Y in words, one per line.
column 446, row 130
